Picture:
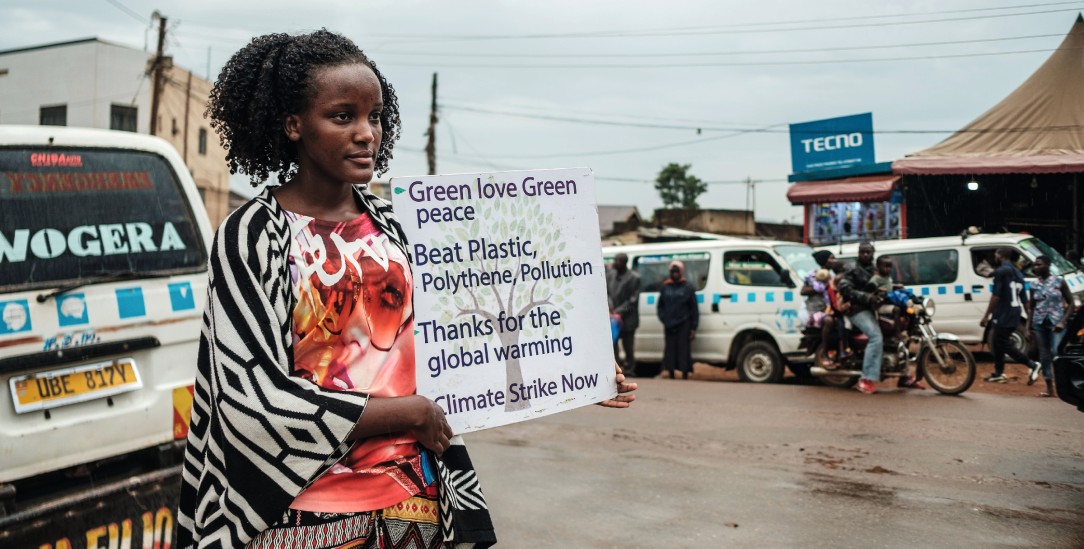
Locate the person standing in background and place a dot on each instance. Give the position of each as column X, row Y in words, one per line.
column 1004, row 313
column 1048, row 310
column 623, row 290
column 680, row 318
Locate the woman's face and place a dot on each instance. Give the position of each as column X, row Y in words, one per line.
column 338, row 131
column 1041, row 267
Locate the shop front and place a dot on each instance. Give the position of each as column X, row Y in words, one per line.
column 869, row 207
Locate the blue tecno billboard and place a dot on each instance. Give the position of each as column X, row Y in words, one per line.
column 832, row 143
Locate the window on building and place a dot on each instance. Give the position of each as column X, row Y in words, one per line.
column 54, row 115
column 123, row 117
column 203, row 141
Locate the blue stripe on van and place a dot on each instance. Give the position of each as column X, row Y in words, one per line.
column 181, row 298
column 925, row 290
column 130, row 303
column 959, row 289
column 788, row 296
column 699, row 297
column 15, row 316
column 942, row 290
column 734, row 297
column 751, row 297
column 770, row 297
column 650, row 300
column 715, row 298
column 71, row 310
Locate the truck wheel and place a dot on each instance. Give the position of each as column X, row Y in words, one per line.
column 759, row 362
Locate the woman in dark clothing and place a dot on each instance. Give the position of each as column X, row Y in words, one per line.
column 680, row 318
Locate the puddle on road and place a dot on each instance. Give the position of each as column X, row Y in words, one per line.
column 828, row 485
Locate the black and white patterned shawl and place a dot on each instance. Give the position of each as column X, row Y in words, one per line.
column 258, row 436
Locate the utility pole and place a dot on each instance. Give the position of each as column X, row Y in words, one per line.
column 431, row 146
column 156, row 71
column 750, row 194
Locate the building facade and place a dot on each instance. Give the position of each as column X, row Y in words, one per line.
column 97, row 84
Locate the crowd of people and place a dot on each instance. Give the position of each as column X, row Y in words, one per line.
column 859, row 293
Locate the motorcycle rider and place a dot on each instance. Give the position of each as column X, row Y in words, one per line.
column 858, row 289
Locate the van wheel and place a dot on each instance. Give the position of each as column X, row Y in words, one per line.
column 759, row 362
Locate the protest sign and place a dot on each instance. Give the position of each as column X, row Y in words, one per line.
column 511, row 320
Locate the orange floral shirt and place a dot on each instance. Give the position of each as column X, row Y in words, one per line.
column 353, row 330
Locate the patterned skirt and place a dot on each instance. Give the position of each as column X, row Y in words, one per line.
column 412, row 524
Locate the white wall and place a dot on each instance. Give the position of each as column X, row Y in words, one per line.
column 87, row 76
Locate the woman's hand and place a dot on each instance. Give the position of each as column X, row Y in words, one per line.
column 415, row 415
column 430, row 427
column 624, row 398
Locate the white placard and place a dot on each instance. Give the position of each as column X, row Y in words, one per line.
column 511, row 318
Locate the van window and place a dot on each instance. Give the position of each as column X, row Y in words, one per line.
column 655, row 269
column 920, row 268
column 982, row 259
column 68, row 213
column 752, row 269
column 799, row 257
column 1059, row 266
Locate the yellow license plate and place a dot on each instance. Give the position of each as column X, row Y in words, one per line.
column 41, row 391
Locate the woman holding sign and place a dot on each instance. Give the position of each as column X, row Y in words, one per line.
column 680, row 317
column 306, row 429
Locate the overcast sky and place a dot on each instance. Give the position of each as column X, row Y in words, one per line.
column 622, row 86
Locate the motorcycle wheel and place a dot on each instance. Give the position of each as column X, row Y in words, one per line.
column 841, row 381
column 958, row 373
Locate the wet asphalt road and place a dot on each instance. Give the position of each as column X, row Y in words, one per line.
column 709, row 464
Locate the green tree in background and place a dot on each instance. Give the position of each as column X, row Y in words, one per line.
column 678, row 188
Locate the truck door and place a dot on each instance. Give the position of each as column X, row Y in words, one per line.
column 757, row 292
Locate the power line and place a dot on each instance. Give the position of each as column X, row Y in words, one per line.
column 707, row 54
column 131, row 13
column 720, row 64
column 701, row 31
column 912, row 14
column 761, row 128
column 466, row 160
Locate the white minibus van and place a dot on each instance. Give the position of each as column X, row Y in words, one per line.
column 747, row 290
column 103, row 274
column 957, row 271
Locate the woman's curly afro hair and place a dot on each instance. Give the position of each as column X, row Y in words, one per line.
column 269, row 79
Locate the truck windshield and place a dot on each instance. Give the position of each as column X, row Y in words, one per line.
column 800, row 259
column 1059, row 266
column 68, row 214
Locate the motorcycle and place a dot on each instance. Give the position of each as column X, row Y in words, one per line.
column 909, row 339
